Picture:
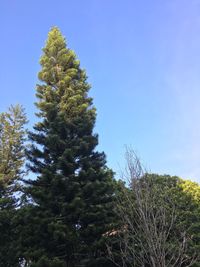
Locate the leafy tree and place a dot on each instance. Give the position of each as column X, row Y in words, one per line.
column 160, row 220
column 73, row 192
column 12, row 157
column 189, row 203
column 192, row 189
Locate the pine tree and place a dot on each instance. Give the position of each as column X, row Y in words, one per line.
column 73, row 192
column 12, row 157
column 12, row 137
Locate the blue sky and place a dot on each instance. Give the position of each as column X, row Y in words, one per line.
column 143, row 62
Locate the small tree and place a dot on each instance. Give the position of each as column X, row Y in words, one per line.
column 152, row 232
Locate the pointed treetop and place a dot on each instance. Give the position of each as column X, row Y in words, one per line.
column 64, row 84
column 55, row 36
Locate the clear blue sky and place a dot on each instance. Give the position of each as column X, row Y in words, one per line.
column 143, row 61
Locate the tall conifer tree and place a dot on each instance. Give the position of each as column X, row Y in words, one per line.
column 73, row 192
column 12, row 157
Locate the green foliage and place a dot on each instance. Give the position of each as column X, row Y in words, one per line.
column 73, row 192
column 192, row 189
column 12, row 156
column 160, row 222
column 45, row 262
column 12, row 137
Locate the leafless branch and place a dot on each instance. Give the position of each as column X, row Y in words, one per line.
column 147, row 222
